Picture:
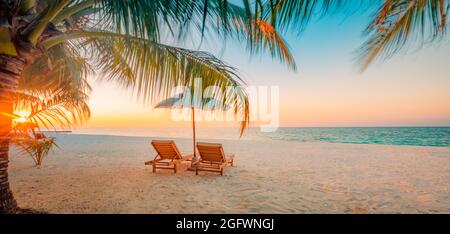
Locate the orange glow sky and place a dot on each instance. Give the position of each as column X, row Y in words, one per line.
column 328, row 90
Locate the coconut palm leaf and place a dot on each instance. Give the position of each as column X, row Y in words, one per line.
column 154, row 69
column 398, row 22
column 124, row 42
column 150, row 19
column 54, row 88
column 60, row 68
column 58, row 110
column 296, row 14
column 37, row 149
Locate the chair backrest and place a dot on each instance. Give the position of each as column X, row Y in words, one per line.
column 166, row 149
column 211, row 152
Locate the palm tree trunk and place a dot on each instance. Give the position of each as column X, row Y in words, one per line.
column 10, row 71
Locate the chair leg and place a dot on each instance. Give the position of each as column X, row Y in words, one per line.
column 196, row 171
column 154, row 168
column 175, row 168
column 221, row 172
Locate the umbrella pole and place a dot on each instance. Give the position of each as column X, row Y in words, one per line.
column 193, row 132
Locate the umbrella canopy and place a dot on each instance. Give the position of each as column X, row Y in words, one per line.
column 184, row 101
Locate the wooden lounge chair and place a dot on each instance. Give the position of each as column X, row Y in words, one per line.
column 212, row 158
column 168, row 156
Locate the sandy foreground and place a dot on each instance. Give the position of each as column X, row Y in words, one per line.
column 106, row 174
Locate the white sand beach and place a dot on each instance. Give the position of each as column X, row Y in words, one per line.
column 106, row 174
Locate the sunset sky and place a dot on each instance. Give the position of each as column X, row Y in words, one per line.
column 327, row 90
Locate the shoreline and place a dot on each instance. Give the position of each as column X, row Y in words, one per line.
column 243, row 139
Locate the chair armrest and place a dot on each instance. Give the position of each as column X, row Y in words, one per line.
column 151, row 161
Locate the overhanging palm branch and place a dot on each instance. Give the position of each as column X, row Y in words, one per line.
column 61, row 68
column 398, row 22
column 260, row 35
column 150, row 19
column 154, row 69
column 54, row 88
column 122, row 38
column 53, row 91
column 61, row 109
column 296, row 14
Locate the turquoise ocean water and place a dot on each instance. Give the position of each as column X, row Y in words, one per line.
column 416, row 136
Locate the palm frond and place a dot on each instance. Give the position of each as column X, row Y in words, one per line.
column 34, row 30
column 54, row 88
column 37, row 149
column 59, row 110
column 62, row 67
column 153, row 70
column 398, row 22
column 297, row 13
column 262, row 36
column 143, row 19
column 149, row 19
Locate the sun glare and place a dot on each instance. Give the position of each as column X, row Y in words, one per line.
column 22, row 116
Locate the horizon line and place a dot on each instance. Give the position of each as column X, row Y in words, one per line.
column 381, row 126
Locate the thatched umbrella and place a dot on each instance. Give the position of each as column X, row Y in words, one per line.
column 182, row 101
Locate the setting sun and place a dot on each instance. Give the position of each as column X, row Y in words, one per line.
column 22, row 116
